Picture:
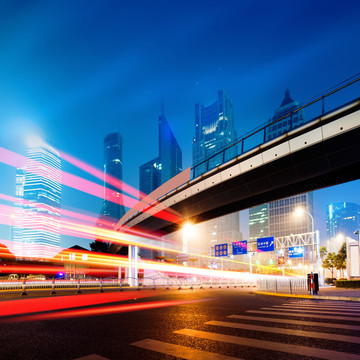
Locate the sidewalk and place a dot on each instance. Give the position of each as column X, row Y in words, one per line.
column 324, row 293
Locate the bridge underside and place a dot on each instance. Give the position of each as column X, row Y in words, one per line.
column 330, row 162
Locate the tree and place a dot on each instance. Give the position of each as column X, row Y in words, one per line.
column 340, row 258
column 329, row 263
column 323, row 255
column 99, row 246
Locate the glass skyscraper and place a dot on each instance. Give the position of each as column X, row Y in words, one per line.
column 157, row 171
column 214, row 131
column 342, row 219
column 113, row 209
column 36, row 223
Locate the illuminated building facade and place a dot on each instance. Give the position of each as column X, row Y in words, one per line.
column 258, row 222
column 36, row 222
column 214, row 131
column 113, row 209
column 342, row 219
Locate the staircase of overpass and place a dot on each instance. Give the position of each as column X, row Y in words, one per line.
column 323, row 151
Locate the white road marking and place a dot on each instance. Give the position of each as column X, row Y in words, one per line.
column 311, row 334
column 269, row 345
column 283, row 313
column 352, row 314
column 180, row 351
column 296, row 322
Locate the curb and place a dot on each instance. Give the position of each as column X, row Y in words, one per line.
column 314, row 297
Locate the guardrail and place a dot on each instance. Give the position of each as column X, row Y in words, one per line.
column 124, row 283
column 279, row 284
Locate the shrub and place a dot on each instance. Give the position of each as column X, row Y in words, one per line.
column 329, row 281
column 348, row 284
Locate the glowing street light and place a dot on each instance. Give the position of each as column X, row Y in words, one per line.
column 299, row 212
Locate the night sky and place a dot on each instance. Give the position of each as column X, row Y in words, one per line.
column 74, row 71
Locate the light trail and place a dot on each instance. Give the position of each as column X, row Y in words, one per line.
column 13, row 159
column 20, row 307
column 106, row 310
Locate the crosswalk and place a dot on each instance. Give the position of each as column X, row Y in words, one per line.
column 272, row 331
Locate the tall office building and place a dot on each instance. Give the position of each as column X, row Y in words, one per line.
column 113, row 208
column 258, row 222
column 214, row 131
column 281, row 220
column 342, row 219
column 157, row 171
column 36, row 222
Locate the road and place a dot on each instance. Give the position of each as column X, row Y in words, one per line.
column 200, row 324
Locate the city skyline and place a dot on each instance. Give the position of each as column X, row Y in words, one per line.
column 73, row 84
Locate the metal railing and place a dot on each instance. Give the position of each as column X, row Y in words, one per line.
column 257, row 137
column 132, row 283
column 281, row 285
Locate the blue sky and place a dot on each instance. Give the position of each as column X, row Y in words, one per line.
column 75, row 71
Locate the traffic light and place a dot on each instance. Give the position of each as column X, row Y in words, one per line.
column 280, row 260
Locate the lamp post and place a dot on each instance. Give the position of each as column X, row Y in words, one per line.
column 357, row 232
column 298, row 212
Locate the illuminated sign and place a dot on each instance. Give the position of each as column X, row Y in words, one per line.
column 296, row 252
column 221, row 250
column 239, row 247
column 266, row 244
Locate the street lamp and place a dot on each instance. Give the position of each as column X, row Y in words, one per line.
column 357, row 232
column 299, row 212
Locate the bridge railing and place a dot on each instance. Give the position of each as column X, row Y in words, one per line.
column 314, row 107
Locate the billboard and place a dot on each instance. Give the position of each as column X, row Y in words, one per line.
column 239, row 247
column 266, row 244
column 296, row 252
column 221, row 250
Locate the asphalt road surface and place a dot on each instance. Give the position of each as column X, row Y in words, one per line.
column 200, row 324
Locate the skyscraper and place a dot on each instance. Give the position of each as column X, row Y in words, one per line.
column 112, row 209
column 157, row 171
column 342, row 219
column 36, row 223
column 278, row 216
column 113, row 169
column 214, row 131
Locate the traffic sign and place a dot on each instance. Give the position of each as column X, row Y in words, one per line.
column 266, row 244
column 221, row 250
column 239, row 247
column 296, row 252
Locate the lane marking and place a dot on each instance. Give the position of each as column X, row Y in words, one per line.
column 353, row 315
column 310, row 334
column 296, row 322
column 318, row 308
column 180, row 351
column 269, row 345
column 283, row 313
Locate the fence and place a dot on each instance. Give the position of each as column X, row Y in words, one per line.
column 279, row 284
column 125, row 283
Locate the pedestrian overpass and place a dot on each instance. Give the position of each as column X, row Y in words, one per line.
column 325, row 151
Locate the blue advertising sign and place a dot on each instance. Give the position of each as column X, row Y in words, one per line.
column 266, row 244
column 221, row 250
column 296, row 252
column 239, row 247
